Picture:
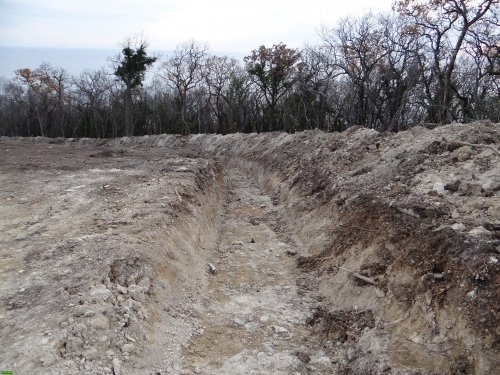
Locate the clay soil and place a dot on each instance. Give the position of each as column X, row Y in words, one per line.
column 308, row 253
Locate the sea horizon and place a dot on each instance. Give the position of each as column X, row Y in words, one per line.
column 73, row 60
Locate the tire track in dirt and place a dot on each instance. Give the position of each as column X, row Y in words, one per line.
column 254, row 315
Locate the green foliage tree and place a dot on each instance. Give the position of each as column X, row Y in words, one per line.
column 131, row 70
column 273, row 71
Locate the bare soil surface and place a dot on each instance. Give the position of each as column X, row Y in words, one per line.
column 308, row 253
column 254, row 315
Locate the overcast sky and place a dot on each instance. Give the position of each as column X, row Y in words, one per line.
column 225, row 25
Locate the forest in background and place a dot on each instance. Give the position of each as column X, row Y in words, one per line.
column 428, row 61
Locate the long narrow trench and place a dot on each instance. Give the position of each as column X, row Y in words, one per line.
column 254, row 315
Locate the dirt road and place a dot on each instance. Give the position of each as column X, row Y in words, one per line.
column 254, row 314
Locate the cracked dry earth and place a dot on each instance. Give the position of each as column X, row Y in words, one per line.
column 255, row 312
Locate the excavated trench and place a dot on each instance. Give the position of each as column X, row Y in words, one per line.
column 309, row 253
column 254, row 311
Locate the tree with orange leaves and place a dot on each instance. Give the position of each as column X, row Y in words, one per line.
column 46, row 86
column 273, row 71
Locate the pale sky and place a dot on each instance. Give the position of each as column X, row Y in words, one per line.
column 225, row 25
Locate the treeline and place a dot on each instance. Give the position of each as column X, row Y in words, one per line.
column 429, row 61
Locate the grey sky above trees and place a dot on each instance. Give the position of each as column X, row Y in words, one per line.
column 433, row 61
column 226, row 25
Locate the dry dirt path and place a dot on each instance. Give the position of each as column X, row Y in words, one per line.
column 255, row 313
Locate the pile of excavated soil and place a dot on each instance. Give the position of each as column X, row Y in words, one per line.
column 417, row 214
column 350, row 253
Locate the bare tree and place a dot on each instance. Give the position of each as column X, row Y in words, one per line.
column 93, row 89
column 218, row 74
column 445, row 24
column 183, row 72
column 358, row 47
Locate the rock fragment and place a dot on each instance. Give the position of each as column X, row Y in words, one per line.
column 74, row 344
column 137, row 293
column 128, row 348
column 479, row 232
column 303, row 357
column 212, row 268
column 117, row 366
column 99, row 322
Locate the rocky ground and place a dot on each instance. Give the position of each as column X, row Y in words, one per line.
column 308, row 253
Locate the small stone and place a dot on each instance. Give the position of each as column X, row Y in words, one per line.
column 304, row 357
column 137, row 293
column 239, row 322
column 100, row 293
column 79, row 310
column 121, row 289
column 117, row 366
column 197, row 370
column 212, row 268
column 474, row 190
column 128, row 348
column 238, row 243
column 131, row 279
column 129, row 338
column 438, row 187
column 103, row 342
column 453, row 186
column 455, row 215
column 384, row 367
column 458, row 227
column 145, row 283
column 74, row 344
column 351, row 354
column 462, row 154
column 479, row 232
column 379, row 293
column 79, row 330
column 100, row 322
column 321, row 360
column 279, row 330
column 264, row 319
column 91, row 354
column 472, row 294
column 492, row 185
column 47, row 360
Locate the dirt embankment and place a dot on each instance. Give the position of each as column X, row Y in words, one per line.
column 98, row 244
column 104, row 249
column 417, row 214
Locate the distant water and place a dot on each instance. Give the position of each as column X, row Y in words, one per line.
column 74, row 60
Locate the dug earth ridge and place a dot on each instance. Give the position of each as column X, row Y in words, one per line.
column 346, row 253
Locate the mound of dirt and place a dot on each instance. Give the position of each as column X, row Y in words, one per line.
column 417, row 214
